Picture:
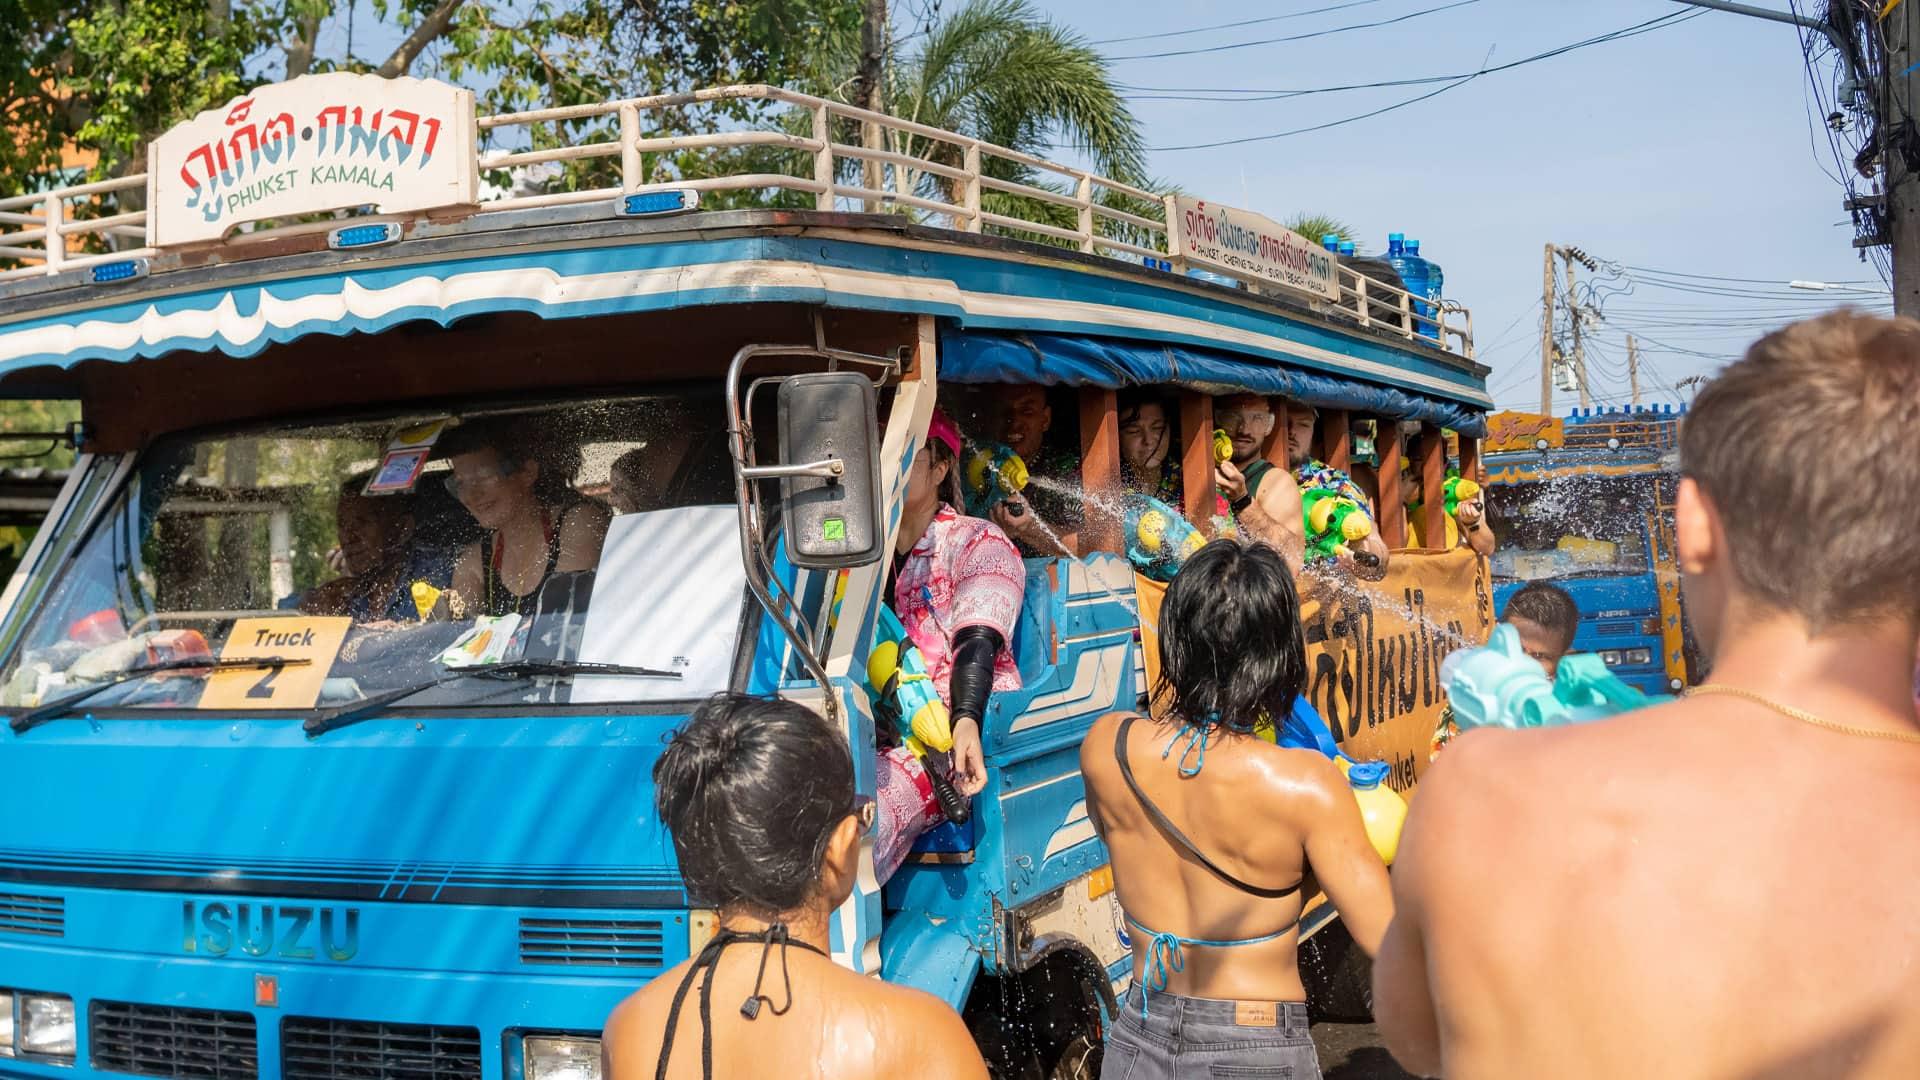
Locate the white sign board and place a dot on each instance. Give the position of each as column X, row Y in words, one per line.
column 1252, row 247
column 318, row 143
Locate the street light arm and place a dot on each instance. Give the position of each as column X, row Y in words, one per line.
column 1842, row 45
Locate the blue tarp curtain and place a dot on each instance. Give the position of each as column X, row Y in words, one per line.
column 1056, row 359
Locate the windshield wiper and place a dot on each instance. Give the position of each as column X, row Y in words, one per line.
column 340, row 716
column 35, row 717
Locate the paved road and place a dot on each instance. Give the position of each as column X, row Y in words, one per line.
column 1353, row 1052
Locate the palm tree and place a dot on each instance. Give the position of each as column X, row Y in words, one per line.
column 1315, row 226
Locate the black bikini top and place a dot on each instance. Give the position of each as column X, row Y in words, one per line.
column 709, row 961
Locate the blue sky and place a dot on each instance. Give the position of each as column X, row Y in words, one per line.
column 1686, row 149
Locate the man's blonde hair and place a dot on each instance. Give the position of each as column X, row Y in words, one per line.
column 1809, row 446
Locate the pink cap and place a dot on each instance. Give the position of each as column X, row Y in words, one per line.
column 943, row 428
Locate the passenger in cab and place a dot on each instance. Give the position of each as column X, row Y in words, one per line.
column 759, row 798
column 380, row 559
column 1469, row 528
column 1213, row 905
column 631, row 485
column 1045, row 519
column 1265, row 501
column 957, row 585
column 1546, row 618
column 517, row 482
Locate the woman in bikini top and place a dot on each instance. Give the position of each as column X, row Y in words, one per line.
column 1211, row 828
column 759, row 798
column 516, row 482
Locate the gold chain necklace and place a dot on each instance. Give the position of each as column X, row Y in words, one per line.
column 1804, row 716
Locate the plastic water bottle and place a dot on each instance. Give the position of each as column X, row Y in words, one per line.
column 1346, row 248
column 1431, row 280
column 1331, row 241
column 1382, row 810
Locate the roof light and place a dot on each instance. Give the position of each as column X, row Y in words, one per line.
column 657, row 203
column 359, row 236
column 120, row 270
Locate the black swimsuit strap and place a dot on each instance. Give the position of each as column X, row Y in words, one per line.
column 709, row 961
column 1174, row 834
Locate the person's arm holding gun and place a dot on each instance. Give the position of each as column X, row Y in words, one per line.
column 1273, row 516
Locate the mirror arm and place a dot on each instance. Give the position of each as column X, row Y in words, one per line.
column 826, row 469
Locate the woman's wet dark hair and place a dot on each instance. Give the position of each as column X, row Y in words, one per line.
column 1231, row 650
column 952, row 491
column 516, row 441
column 752, row 789
column 1130, row 401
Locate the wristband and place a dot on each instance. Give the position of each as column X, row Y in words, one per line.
column 1240, row 504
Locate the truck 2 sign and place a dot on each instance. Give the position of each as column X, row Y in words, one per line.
column 1250, row 246
column 318, row 143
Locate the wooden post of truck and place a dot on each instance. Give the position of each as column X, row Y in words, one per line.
column 1196, row 459
column 1470, row 461
column 1099, row 468
column 1336, row 443
column 1275, row 450
column 1393, row 506
column 1433, row 486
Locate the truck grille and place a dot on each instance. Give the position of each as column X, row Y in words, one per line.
column 157, row 1040
column 316, row 1049
column 21, row 913
column 1617, row 629
column 624, row 943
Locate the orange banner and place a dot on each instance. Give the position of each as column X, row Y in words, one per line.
column 1374, row 652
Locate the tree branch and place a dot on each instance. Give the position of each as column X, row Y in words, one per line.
column 430, row 28
column 300, row 49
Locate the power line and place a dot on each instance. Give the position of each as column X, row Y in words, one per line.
column 1234, row 25
column 1297, row 37
column 1671, row 19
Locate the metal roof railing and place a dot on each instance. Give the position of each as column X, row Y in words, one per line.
column 937, row 178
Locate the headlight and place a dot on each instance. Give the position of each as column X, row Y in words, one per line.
column 1611, row 657
column 560, row 1057
column 1639, row 656
column 46, row 1025
column 6, row 1024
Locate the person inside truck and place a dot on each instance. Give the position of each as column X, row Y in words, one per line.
column 1546, row 618
column 957, row 585
column 1045, row 519
column 1212, row 906
column 759, row 797
column 516, row 479
column 1372, row 556
column 1150, row 454
column 379, row 557
column 1265, row 501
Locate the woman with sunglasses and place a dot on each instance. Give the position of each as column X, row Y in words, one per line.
column 517, row 482
column 956, row 585
column 759, row 797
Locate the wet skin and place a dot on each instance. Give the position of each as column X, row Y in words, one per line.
column 1703, row 889
column 1306, row 814
column 836, row 1024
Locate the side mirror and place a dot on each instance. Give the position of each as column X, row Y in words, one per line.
column 830, row 470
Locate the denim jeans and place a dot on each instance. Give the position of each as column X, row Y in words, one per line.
column 1202, row 1038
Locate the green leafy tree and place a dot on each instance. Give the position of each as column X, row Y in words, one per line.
column 1315, row 226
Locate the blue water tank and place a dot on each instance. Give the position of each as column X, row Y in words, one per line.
column 1331, row 241
column 1346, row 247
column 1430, row 279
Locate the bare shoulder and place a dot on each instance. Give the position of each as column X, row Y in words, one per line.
column 630, row 1042
column 1096, row 749
column 1298, row 778
column 939, row 1047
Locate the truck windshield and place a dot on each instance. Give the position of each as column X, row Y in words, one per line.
column 379, row 553
column 1574, row 527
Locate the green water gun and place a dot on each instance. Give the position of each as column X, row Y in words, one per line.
column 1458, row 489
column 1334, row 522
column 991, row 474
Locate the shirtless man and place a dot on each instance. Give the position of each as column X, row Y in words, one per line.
column 1723, row 886
column 1265, row 500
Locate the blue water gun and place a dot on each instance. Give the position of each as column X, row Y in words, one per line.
column 1158, row 538
column 1499, row 685
column 905, row 698
column 989, row 475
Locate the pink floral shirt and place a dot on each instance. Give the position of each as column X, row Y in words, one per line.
column 963, row 572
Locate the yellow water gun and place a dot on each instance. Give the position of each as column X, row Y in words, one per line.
column 904, row 695
column 1334, row 522
column 991, row 474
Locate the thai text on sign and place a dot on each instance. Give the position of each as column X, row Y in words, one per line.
column 318, row 143
column 1253, row 247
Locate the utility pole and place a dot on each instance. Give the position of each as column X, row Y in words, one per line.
column 1897, row 157
column 1546, row 337
column 1579, row 350
column 1633, row 371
